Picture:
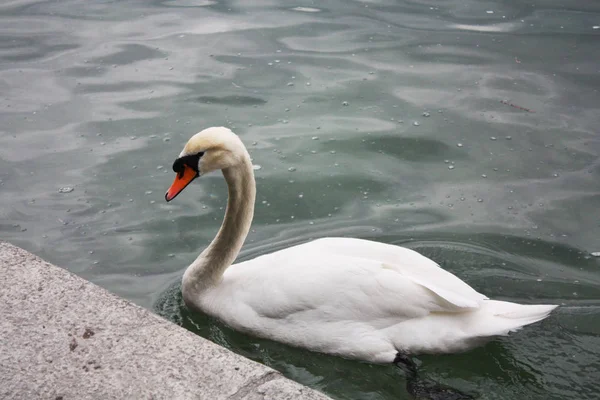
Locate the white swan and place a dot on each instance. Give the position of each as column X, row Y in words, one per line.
column 349, row 297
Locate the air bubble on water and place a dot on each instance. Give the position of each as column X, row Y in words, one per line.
column 462, row 199
column 166, row 139
column 508, row 137
column 345, row 103
column 291, row 169
column 426, row 114
column 416, row 123
column 555, row 175
column 66, row 189
column 290, row 83
column 489, row 12
column 595, row 253
column 493, row 138
column 133, row 137
column 301, row 195
column 459, row 145
column 450, row 166
column 596, row 27
column 307, row 83
column 159, row 167
column 483, row 175
column 256, row 167
column 480, row 200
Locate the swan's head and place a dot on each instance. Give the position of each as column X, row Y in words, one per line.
column 206, row 151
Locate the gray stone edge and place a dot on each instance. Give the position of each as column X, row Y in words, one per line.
column 62, row 337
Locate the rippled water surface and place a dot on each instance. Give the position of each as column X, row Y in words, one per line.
column 467, row 130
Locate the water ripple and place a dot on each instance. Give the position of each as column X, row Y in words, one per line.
column 466, row 130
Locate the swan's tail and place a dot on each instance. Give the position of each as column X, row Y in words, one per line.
column 508, row 317
column 454, row 332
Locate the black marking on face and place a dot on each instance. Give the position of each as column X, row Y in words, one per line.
column 191, row 161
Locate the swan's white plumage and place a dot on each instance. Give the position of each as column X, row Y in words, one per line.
column 360, row 299
column 349, row 297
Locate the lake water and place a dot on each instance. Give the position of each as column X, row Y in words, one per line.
column 467, row 130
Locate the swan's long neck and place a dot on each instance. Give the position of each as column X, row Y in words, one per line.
column 208, row 268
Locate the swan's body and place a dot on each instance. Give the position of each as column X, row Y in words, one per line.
column 348, row 297
column 358, row 299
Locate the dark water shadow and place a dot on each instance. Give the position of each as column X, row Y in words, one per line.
column 240, row 101
column 129, row 54
column 418, row 149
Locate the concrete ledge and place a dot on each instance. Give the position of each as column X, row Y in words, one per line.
column 62, row 337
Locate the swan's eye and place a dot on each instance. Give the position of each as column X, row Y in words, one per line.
column 190, row 161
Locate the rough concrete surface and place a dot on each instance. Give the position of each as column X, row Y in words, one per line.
column 62, row 337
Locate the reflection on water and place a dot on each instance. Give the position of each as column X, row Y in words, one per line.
column 386, row 120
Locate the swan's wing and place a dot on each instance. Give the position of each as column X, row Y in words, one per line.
column 348, row 279
column 409, row 263
column 406, row 262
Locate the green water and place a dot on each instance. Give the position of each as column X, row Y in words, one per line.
column 467, row 130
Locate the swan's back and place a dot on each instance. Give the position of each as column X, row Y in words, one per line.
column 404, row 261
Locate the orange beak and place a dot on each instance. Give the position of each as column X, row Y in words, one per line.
column 182, row 179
